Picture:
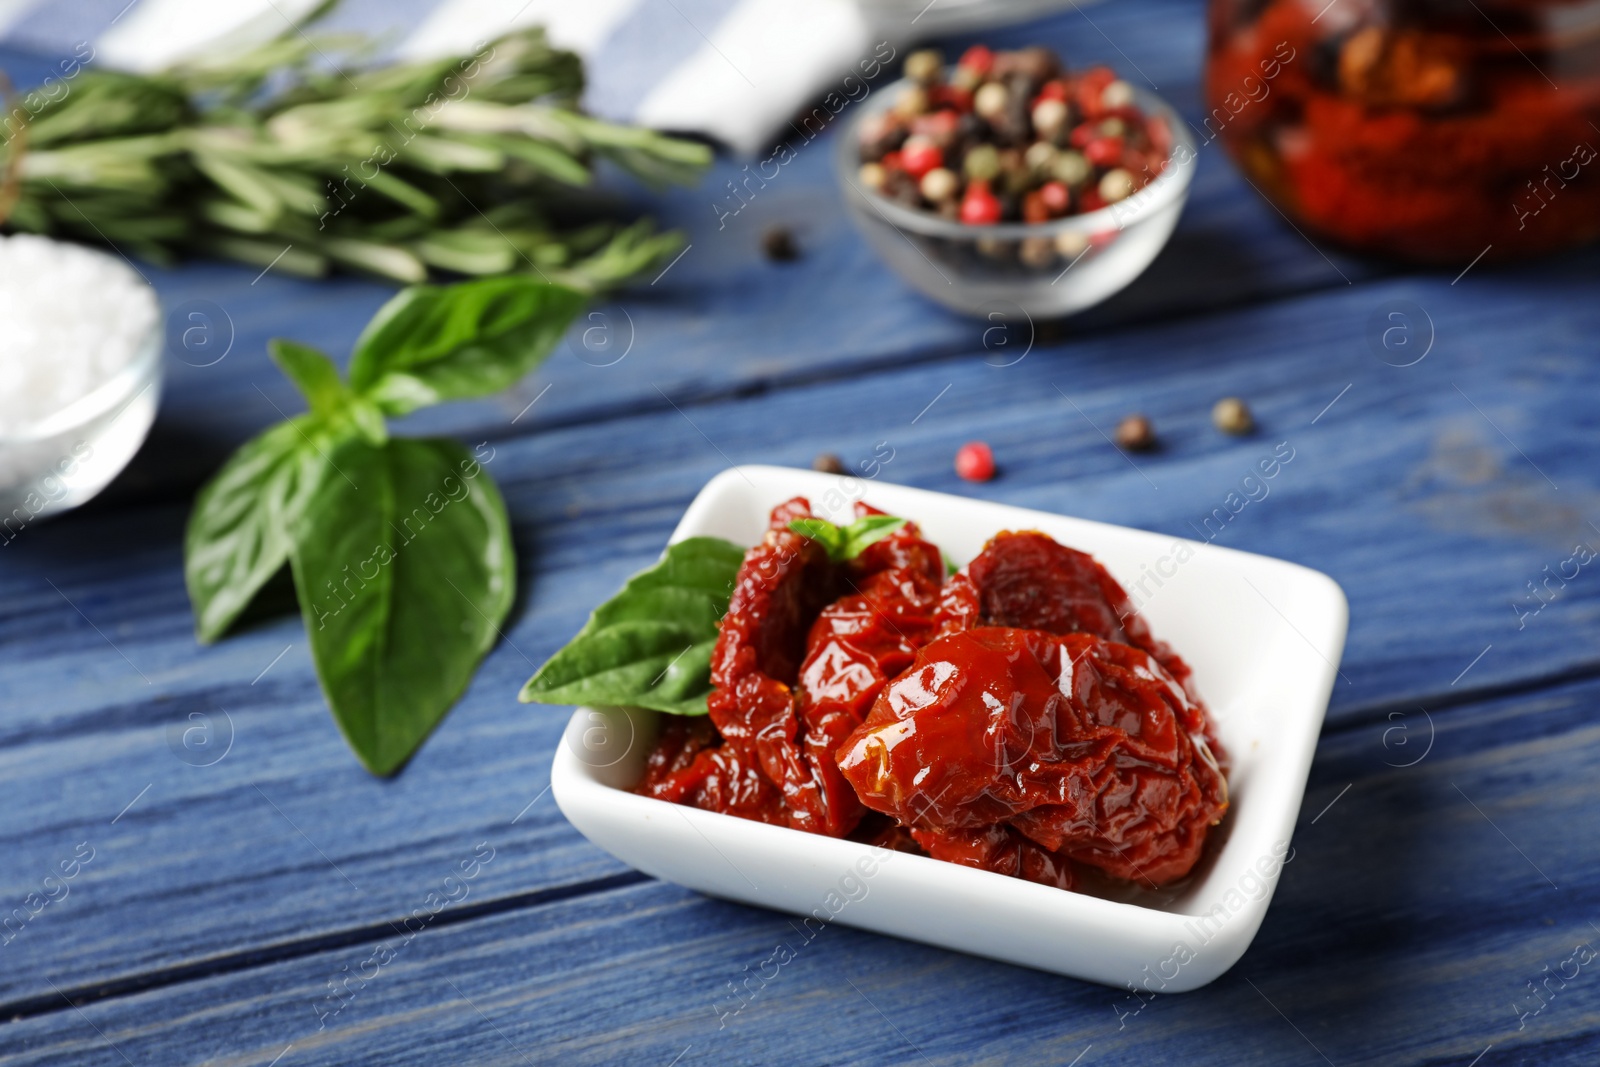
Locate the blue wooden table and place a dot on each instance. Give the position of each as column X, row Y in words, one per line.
column 1446, row 880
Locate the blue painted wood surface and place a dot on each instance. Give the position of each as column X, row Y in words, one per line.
column 221, row 899
column 1405, row 929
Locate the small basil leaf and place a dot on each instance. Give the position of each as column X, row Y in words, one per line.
column 823, row 533
column 650, row 645
column 313, row 373
column 868, row 530
column 434, row 343
column 847, row 542
column 238, row 533
column 404, row 566
column 400, row 393
column 367, row 418
column 951, row 567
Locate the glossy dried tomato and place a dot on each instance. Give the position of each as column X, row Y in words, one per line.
column 1086, row 746
column 857, row 644
column 789, row 690
column 1019, row 718
column 999, row 849
column 690, row 765
column 782, row 585
column 1030, row 581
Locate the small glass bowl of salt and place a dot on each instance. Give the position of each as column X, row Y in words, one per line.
column 80, row 374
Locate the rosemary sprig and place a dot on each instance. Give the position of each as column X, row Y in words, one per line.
column 474, row 165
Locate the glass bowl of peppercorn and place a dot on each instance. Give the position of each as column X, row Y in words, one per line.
column 1007, row 181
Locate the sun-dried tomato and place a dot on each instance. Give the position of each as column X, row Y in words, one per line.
column 1087, row 746
column 805, row 647
column 999, row 849
column 1019, row 718
column 857, row 644
column 783, row 584
column 690, row 765
column 881, row 831
column 1030, row 581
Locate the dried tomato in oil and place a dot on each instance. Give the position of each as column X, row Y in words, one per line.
column 1018, row 717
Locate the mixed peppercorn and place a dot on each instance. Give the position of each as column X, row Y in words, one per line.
column 1135, row 433
column 1012, row 137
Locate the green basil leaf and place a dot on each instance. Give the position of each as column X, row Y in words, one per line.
column 650, row 645
column 847, row 542
column 404, row 566
column 951, row 567
column 238, row 534
column 313, row 373
column 316, row 376
column 433, row 343
column 822, row 532
column 867, row 530
column 367, row 418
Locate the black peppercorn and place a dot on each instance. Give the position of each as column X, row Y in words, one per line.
column 828, row 463
column 1036, row 63
column 778, row 244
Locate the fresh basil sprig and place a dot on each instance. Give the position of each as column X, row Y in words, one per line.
column 650, row 645
column 847, row 542
column 400, row 549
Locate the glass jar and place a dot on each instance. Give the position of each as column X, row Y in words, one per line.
column 1434, row 131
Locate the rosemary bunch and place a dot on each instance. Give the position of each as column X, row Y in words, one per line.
column 476, row 165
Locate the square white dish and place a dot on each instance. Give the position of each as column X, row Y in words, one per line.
column 1263, row 636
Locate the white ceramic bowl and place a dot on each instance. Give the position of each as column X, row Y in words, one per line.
column 1263, row 636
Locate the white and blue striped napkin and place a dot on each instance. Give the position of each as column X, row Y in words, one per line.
column 731, row 70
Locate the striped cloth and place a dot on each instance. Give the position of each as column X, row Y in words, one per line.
column 731, row 70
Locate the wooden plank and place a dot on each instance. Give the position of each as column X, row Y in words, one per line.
column 1402, row 490
column 1418, row 905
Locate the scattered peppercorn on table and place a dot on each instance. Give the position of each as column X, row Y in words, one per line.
column 196, row 870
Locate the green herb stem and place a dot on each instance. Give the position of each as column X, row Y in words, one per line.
column 474, row 165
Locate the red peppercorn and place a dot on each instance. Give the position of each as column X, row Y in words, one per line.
column 1091, row 84
column 1104, row 151
column 977, row 59
column 1055, row 197
column 951, row 96
column 979, row 207
column 1052, row 90
column 919, row 155
column 940, row 125
column 1130, row 115
column 1097, row 78
column 891, row 161
column 1034, row 208
column 1083, row 133
column 1091, row 201
column 975, row 462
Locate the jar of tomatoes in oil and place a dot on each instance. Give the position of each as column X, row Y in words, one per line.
column 1434, row 131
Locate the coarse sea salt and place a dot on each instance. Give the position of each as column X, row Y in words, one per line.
column 70, row 319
